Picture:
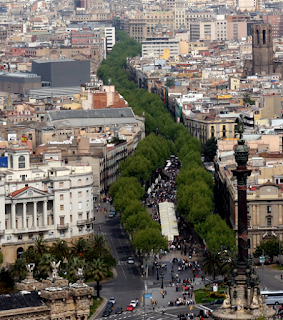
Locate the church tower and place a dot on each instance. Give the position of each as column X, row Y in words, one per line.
column 262, row 47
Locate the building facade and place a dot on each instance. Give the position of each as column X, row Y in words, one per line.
column 48, row 200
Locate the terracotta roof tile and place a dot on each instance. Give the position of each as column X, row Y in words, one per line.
column 13, row 194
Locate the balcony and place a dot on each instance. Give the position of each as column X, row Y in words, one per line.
column 62, row 226
column 85, row 221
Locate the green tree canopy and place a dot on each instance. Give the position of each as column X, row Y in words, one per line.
column 149, row 239
column 270, row 247
column 210, row 149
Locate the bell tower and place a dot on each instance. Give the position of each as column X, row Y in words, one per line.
column 262, row 49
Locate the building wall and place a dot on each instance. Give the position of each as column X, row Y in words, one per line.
column 63, row 73
column 50, row 202
column 236, row 30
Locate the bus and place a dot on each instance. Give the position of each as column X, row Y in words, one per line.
column 273, row 297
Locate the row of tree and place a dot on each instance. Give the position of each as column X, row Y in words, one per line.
column 195, row 184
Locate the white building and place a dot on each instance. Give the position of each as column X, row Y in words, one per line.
column 155, row 46
column 46, row 200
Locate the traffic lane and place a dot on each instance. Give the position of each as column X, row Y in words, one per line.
column 269, row 278
column 128, row 284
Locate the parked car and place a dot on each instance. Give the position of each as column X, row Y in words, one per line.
column 130, row 307
column 113, row 212
column 218, row 301
column 111, row 215
column 119, row 310
column 112, row 299
column 134, row 302
column 131, row 260
column 106, row 313
column 109, row 305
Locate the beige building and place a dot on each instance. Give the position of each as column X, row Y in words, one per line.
column 142, row 25
column 264, row 202
column 205, row 126
column 48, row 200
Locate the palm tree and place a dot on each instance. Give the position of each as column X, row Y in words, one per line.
column 212, row 264
column 74, row 264
column 100, row 245
column 31, row 255
column 18, row 270
column 228, row 258
column 98, row 271
column 40, row 246
column 44, row 265
column 60, row 250
column 79, row 247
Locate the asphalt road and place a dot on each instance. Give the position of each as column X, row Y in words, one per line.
column 128, row 284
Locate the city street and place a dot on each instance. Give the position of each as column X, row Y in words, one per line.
column 128, row 284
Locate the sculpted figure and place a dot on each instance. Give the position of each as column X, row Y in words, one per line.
column 227, row 302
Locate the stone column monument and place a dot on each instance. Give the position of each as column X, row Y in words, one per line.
column 243, row 298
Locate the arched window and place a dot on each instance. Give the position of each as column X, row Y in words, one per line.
column 11, row 162
column 20, row 252
column 22, row 162
column 79, row 182
column 264, row 36
column 257, row 34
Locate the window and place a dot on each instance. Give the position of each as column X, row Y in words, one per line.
column 71, row 206
column 11, row 162
column 269, row 221
column 79, row 182
column 70, row 195
column 22, row 162
column 61, row 185
column 61, row 197
column 80, row 205
column 61, row 207
column 79, row 194
column 87, row 192
column 71, row 218
column 87, row 204
column 268, row 209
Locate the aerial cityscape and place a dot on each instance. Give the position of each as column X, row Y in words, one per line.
column 141, row 160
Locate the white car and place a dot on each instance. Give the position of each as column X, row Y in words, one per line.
column 131, row 260
column 112, row 299
column 134, row 303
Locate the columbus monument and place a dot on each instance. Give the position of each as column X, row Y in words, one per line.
column 243, row 297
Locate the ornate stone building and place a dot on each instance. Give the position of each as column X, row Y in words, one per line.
column 57, row 299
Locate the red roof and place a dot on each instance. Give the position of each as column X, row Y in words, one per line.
column 13, row 194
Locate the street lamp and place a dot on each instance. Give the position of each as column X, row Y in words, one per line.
column 262, row 261
column 162, row 276
column 157, row 273
column 279, row 227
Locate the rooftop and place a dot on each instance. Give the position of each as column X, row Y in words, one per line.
column 20, row 300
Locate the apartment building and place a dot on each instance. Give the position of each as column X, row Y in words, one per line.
column 264, row 201
column 248, row 5
column 276, row 22
column 142, row 25
column 236, row 27
column 157, row 46
column 205, row 126
column 208, row 30
column 48, row 200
